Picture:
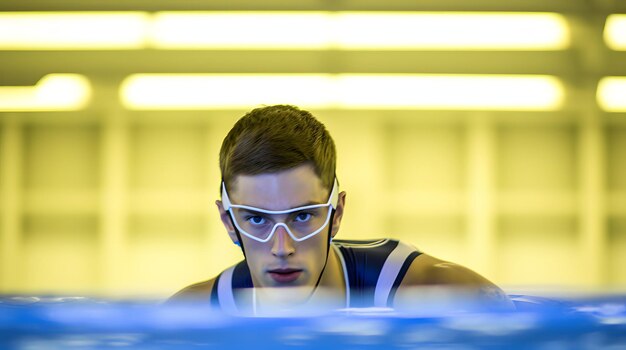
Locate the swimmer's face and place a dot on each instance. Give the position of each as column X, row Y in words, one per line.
column 283, row 262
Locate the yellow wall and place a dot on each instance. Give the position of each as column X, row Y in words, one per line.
column 96, row 208
column 109, row 201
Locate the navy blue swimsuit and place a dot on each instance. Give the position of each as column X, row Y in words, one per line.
column 374, row 270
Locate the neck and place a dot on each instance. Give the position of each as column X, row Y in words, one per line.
column 332, row 288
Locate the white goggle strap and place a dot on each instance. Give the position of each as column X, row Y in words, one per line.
column 334, row 194
column 225, row 200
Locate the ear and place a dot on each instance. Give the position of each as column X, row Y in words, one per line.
column 341, row 202
column 228, row 224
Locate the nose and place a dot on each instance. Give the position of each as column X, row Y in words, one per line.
column 282, row 243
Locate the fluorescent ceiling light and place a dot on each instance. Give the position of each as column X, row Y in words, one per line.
column 360, row 30
column 615, row 32
column 452, row 31
column 191, row 91
column 459, row 92
column 342, row 91
column 283, row 30
column 237, row 30
column 611, row 94
column 54, row 92
column 72, row 30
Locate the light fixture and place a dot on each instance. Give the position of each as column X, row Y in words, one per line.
column 241, row 30
column 615, row 32
column 53, row 92
column 72, row 30
column 360, row 30
column 287, row 30
column 454, row 92
column 451, row 31
column 342, row 91
column 215, row 91
column 611, row 94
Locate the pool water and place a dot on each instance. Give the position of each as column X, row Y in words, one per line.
column 29, row 323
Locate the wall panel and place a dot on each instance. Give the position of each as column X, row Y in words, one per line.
column 538, row 251
column 59, row 255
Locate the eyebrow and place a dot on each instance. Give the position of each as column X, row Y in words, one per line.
column 309, row 203
column 248, row 211
column 299, row 206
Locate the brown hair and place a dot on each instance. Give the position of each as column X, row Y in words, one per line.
column 275, row 138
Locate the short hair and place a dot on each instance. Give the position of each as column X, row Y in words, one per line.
column 276, row 138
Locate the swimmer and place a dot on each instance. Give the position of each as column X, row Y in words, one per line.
column 281, row 203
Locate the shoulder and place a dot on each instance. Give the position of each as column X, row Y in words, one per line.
column 197, row 292
column 237, row 275
column 427, row 270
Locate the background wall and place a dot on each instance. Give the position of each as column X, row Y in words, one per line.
column 108, row 200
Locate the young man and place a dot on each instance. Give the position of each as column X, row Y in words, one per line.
column 282, row 205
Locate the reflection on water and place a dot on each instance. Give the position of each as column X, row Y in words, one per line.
column 38, row 322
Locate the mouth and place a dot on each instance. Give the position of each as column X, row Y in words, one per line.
column 286, row 275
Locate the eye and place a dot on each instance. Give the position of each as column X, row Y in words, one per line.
column 256, row 220
column 303, row 217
